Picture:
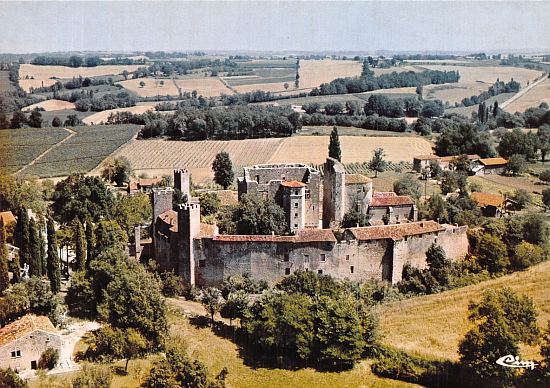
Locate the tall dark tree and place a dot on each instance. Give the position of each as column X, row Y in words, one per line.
column 54, row 263
column 334, row 150
column 35, row 120
column 90, row 242
column 22, row 235
column 79, row 244
column 223, row 170
column 4, row 277
column 377, row 163
column 35, row 259
column 40, row 226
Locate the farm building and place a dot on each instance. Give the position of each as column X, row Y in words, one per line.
column 7, row 218
column 22, row 342
column 143, row 185
column 492, row 205
column 203, row 257
column 490, row 166
column 422, row 162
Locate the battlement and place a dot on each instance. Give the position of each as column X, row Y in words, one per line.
column 188, row 206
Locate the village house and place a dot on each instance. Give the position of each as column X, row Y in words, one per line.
column 143, row 185
column 492, row 205
column 422, row 162
column 22, row 342
column 489, row 166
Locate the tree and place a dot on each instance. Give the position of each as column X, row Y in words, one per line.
column 223, row 170
column 56, row 122
column 18, row 119
column 501, row 320
column 436, row 208
column 334, row 146
column 4, row 276
column 210, row 203
column 35, row 120
column 93, row 376
column 212, row 301
column 377, row 163
column 54, row 263
column 48, row 359
column 543, row 135
column 235, row 306
column 118, row 170
column 492, row 253
column 22, row 236
column 522, row 198
column 408, row 185
column 79, row 244
column 130, row 211
column 255, row 215
column 109, row 236
column 354, row 218
column 80, row 297
column 526, row 255
column 546, row 198
column 438, row 265
column 35, row 263
column 452, row 181
column 9, row 378
column 545, row 176
column 518, row 142
column 516, row 164
column 90, row 242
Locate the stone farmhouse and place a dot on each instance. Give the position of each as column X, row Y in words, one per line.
column 422, row 162
column 22, row 342
column 314, row 205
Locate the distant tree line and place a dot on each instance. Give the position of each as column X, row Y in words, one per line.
column 497, row 88
column 368, row 82
column 78, row 61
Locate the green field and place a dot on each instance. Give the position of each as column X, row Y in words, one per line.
column 83, row 151
column 19, row 146
column 263, row 63
column 5, row 83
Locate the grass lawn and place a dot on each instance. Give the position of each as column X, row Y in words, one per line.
column 433, row 325
column 217, row 352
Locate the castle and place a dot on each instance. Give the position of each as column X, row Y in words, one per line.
column 203, row 257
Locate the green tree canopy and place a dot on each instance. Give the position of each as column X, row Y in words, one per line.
column 334, row 150
column 223, row 170
column 377, row 163
column 259, row 216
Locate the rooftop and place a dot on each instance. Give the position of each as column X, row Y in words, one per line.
column 397, row 231
column 302, row 236
column 25, row 325
column 426, row 157
column 450, row 158
column 487, row 199
column 357, row 179
column 7, row 217
column 493, row 161
column 170, row 218
column 293, row 184
column 389, row 198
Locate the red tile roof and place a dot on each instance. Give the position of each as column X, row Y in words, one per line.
column 487, row 199
column 426, row 157
column 293, row 184
column 357, row 179
column 493, row 161
column 450, row 158
column 7, row 217
column 169, row 218
column 381, row 199
column 25, row 325
column 397, row 231
column 302, row 236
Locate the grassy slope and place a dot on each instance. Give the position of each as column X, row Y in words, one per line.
column 433, row 325
column 217, row 352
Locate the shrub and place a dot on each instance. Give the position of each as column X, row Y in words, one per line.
column 172, row 284
column 8, row 378
column 48, row 359
column 526, row 255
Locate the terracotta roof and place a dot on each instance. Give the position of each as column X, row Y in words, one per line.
column 426, row 157
column 302, row 236
column 357, row 179
column 450, row 158
column 397, row 231
column 293, row 184
column 486, row 199
column 493, row 161
column 146, row 182
column 133, row 186
column 7, row 217
column 25, row 325
column 169, row 218
column 390, row 199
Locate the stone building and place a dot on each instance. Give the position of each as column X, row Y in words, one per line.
column 490, row 166
column 22, row 342
column 203, row 257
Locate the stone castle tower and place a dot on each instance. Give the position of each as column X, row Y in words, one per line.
column 189, row 218
column 182, row 179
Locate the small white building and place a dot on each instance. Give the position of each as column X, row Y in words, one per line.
column 22, row 342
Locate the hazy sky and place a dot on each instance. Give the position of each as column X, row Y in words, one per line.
column 252, row 25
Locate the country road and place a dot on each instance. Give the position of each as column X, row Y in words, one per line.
column 522, row 92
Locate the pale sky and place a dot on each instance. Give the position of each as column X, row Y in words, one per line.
column 274, row 26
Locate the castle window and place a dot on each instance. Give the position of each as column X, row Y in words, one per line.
column 16, row 354
column 296, row 192
column 320, row 271
column 351, row 269
column 295, row 225
column 286, row 257
column 323, row 257
column 287, row 271
column 347, row 257
column 306, row 258
column 295, row 204
column 295, row 214
column 202, row 263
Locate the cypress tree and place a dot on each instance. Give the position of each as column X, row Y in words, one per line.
column 22, row 236
column 54, row 263
column 15, row 268
column 4, row 277
column 90, row 242
column 79, row 244
column 42, row 247
column 334, row 146
column 35, row 260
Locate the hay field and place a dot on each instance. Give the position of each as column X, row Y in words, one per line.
column 159, row 157
column 532, row 98
column 152, row 87
column 50, row 105
column 315, row 72
column 101, row 117
column 44, row 73
column 433, row 325
column 206, row 86
column 474, row 80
